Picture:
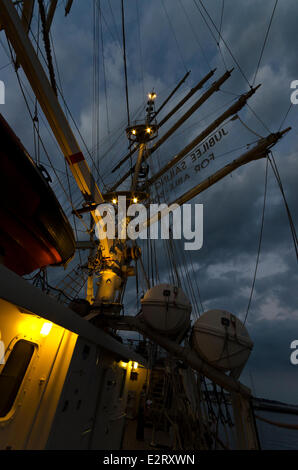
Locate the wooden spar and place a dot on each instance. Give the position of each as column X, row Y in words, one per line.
column 68, row 7
column 187, row 355
column 257, row 152
column 235, row 108
column 27, row 13
column 187, row 97
column 69, row 146
column 50, row 14
column 49, row 103
column 47, row 99
column 214, row 87
column 170, row 95
column 138, row 166
column 196, row 88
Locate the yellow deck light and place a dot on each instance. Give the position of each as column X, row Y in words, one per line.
column 46, row 328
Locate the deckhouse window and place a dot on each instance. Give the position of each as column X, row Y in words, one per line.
column 13, row 374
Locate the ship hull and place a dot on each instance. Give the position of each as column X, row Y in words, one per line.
column 34, row 231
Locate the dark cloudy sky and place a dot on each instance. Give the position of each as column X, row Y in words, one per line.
column 157, row 59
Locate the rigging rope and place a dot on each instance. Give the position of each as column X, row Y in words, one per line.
column 140, row 49
column 47, row 45
column 114, row 22
column 95, row 82
column 291, row 222
column 264, row 43
column 104, row 67
column 221, row 19
column 220, row 35
column 248, row 128
column 260, row 242
column 125, row 65
column 278, row 424
column 174, row 35
column 194, row 32
column 285, row 116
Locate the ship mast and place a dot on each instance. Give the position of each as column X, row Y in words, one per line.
column 15, row 31
column 115, row 255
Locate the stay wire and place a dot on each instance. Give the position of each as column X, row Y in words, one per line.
column 223, row 40
column 125, row 64
column 174, row 35
column 213, row 35
column 264, row 42
column 285, row 116
column 195, row 35
column 104, row 66
column 291, row 222
column 221, row 19
column 115, row 25
column 260, row 242
column 140, row 49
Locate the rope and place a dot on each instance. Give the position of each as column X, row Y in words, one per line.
column 260, row 243
column 195, row 35
column 140, row 48
column 221, row 19
column 275, row 423
column 220, row 35
column 95, row 82
column 47, row 45
column 248, row 128
column 125, row 66
column 258, row 118
column 291, row 222
column 114, row 22
column 264, row 43
column 285, row 117
column 174, row 35
column 104, row 66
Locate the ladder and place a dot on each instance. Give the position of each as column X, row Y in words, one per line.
column 71, row 285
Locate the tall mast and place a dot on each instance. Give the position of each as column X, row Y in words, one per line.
column 171, row 113
column 213, row 88
column 27, row 58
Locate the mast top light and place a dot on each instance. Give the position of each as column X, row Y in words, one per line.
column 152, row 96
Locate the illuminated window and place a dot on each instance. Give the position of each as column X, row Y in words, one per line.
column 13, row 374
